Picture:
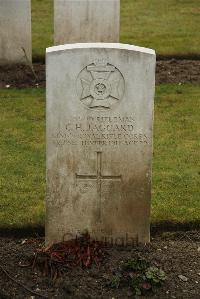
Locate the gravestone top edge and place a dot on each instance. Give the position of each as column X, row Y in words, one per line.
column 118, row 46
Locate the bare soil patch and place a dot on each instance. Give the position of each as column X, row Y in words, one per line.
column 178, row 71
column 176, row 253
column 167, row 71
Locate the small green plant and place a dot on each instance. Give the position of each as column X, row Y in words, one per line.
column 137, row 265
column 139, row 275
column 155, row 276
column 136, row 282
column 139, row 283
column 115, row 281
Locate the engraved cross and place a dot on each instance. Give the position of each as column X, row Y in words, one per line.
column 98, row 177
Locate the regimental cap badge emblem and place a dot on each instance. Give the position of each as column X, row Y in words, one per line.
column 100, row 85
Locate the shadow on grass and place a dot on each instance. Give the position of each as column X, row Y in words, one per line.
column 157, row 228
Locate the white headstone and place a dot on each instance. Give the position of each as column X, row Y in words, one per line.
column 99, row 141
column 78, row 21
column 15, row 31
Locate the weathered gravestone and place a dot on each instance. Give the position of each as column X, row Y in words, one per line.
column 15, row 31
column 99, row 141
column 86, row 21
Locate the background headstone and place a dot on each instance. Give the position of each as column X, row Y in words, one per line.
column 86, row 21
column 99, row 141
column 15, row 31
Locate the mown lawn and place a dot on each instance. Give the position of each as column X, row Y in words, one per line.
column 176, row 164
column 168, row 26
column 22, row 182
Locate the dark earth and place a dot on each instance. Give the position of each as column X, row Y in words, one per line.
column 167, row 71
column 177, row 253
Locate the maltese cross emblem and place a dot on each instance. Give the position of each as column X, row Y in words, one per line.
column 100, row 85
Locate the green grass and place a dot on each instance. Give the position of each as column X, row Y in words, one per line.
column 42, row 26
column 176, row 163
column 22, row 157
column 176, row 169
column 168, row 26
